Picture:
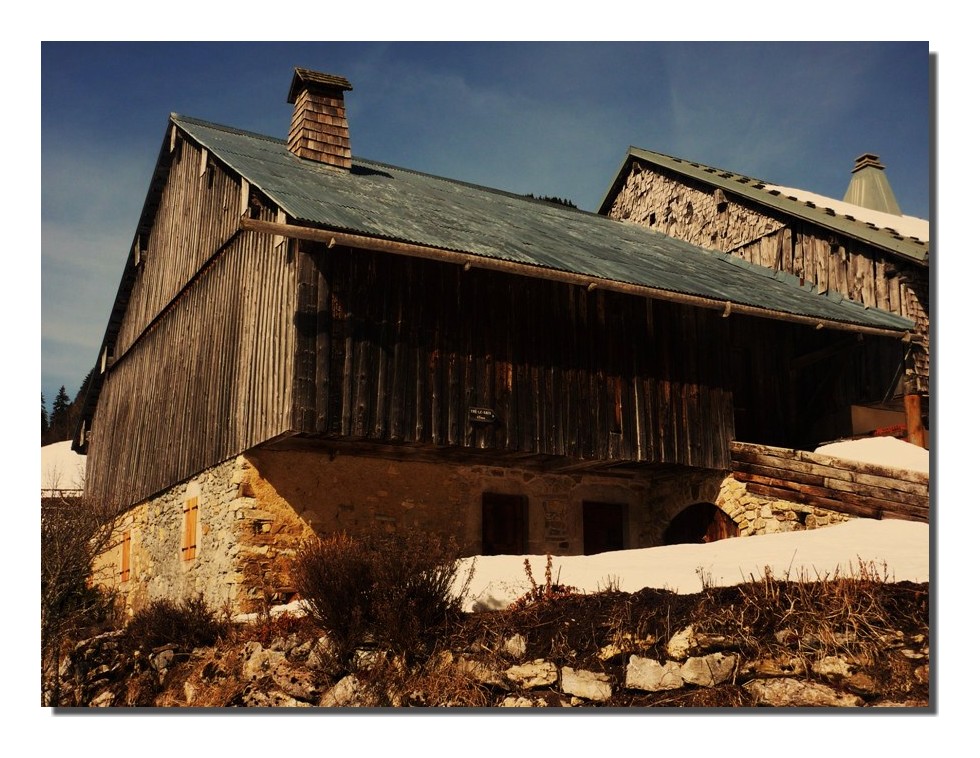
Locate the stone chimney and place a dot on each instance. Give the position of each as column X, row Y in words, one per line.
column 319, row 130
column 869, row 186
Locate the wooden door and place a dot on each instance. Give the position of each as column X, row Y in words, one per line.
column 504, row 524
column 602, row 527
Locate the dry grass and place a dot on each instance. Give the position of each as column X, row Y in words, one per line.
column 855, row 616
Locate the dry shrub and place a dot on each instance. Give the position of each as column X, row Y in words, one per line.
column 548, row 592
column 834, row 613
column 74, row 532
column 395, row 590
column 187, row 624
column 267, row 629
column 334, row 577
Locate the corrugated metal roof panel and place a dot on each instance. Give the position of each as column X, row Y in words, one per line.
column 379, row 200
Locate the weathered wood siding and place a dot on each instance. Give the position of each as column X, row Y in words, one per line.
column 204, row 357
column 398, row 350
column 686, row 209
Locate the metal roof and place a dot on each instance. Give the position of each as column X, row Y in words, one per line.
column 767, row 194
column 386, row 202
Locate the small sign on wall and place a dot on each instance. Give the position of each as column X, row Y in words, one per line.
column 482, row 416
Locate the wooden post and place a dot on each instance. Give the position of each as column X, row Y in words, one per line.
column 913, row 419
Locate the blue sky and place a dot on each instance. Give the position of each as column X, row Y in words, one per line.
column 547, row 118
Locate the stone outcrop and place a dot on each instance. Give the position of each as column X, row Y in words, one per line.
column 290, row 673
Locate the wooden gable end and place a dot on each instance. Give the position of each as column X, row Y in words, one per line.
column 203, row 356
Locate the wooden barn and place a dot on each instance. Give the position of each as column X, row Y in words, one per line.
column 304, row 341
column 860, row 247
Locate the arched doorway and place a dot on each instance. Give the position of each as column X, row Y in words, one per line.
column 701, row 522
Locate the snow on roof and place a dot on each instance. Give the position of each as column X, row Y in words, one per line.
column 880, row 451
column 907, row 226
column 62, row 469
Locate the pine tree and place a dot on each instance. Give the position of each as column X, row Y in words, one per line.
column 44, row 418
column 59, row 417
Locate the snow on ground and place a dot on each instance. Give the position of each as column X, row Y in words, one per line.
column 898, row 549
column 61, row 468
column 881, row 451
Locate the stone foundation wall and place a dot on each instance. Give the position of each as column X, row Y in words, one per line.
column 755, row 514
column 255, row 511
column 234, row 564
column 359, row 493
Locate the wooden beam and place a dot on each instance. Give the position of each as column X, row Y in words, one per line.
column 913, row 419
column 540, row 272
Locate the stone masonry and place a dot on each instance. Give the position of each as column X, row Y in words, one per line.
column 255, row 511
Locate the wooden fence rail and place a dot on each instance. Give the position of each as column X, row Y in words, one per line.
column 859, row 489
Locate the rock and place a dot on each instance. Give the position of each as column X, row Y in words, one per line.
column 681, row 644
column 257, row 662
column 348, row 693
column 709, row 670
column 783, row 666
column 295, row 681
column 787, row 692
column 586, row 684
column 482, row 673
column 102, row 700
column 519, row 701
column 687, row 641
column 862, row 684
column 515, row 646
column 160, row 659
column 652, row 676
column 538, row 673
column 256, row 698
column 322, row 656
column 834, row 666
column 300, row 652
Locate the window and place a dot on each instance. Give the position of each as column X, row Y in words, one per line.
column 188, row 545
column 124, row 569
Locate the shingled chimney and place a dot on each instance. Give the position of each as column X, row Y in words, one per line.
column 319, row 130
column 869, row 186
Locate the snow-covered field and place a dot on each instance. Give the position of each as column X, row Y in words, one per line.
column 61, row 469
column 898, row 549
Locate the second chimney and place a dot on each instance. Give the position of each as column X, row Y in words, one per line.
column 319, row 128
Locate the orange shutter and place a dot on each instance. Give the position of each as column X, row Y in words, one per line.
column 188, row 547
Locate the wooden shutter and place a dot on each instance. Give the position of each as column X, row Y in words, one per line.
column 188, row 546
